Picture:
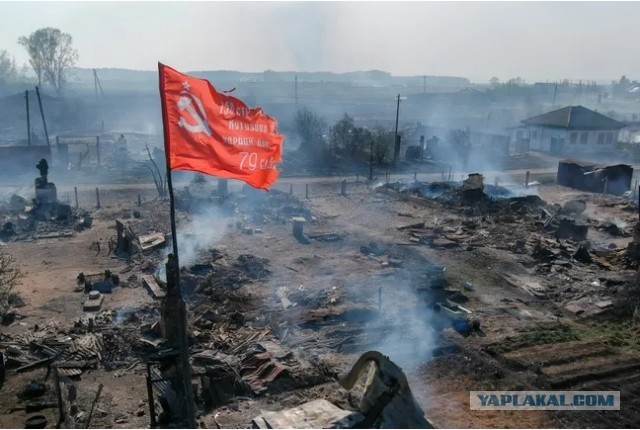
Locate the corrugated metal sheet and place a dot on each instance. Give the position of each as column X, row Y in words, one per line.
column 317, row 414
column 69, row 372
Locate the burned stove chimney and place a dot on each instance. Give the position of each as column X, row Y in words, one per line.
column 473, row 187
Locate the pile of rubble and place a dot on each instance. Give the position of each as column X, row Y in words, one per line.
column 277, row 207
column 86, row 344
column 19, row 220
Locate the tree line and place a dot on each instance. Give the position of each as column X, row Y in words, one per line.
column 51, row 55
column 341, row 142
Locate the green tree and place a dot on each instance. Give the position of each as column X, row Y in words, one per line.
column 51, row 54
column 341, row 134
column 382, row 144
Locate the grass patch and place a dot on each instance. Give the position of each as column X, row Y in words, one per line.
column 539, row 335
column 613, row 333
column 618, row 334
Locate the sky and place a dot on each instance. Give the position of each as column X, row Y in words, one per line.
column 537, row 41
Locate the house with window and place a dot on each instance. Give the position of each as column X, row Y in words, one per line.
column 571, row 130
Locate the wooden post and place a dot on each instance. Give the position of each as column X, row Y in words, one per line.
column 26, row 97
column 75, row 190
column 97, row 198
column 93, row 405
column 343, row 187
column 526, row 180
column 56, row 381
column 151, row 400
column 223, row 187
column 306, row 191
column 44, row 122
column 139, row 200
column 98, row 148
column 290, row 189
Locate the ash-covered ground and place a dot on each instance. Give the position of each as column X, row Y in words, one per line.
column 274, row 318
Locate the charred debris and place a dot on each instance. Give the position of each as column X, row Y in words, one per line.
column 247, row 341
column 42, row 217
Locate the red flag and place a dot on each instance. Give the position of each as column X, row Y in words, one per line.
column 217, row 134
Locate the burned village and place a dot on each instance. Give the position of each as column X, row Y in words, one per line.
column 385, row 245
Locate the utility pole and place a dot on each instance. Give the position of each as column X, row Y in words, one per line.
column 26, row 97
column 396, row 149
column 44, row 123
column 371, row 162
column 397, row 113
column 555, row 91
column 97, row 84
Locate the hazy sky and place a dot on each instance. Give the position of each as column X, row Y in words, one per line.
column 537, row 41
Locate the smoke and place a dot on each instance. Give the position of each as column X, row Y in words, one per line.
column 202, row 232
column 618, row 223
column 412, row 340
column 304, row 26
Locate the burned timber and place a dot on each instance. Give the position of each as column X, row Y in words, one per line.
column 463, row 285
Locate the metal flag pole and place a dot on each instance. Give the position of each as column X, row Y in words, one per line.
column 173, row 283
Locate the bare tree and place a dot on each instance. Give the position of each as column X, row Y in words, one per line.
column 310, row 127
column 51, row 54
column 460, row 140
column 159, row 179
column 7, row 68
column 10, row 275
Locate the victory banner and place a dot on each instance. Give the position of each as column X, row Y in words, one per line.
column 217, row 134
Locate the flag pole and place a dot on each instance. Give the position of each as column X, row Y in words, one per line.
column 173, row 277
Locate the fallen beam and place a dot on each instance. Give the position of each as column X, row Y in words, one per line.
column 414, row 225
column 34, row 365
column 151, row 283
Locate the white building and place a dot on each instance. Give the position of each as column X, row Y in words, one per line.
column 571, row 130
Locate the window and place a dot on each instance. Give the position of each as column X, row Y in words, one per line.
column 573, row 138
column 534, row 134
column 584, row 137
column 609, row 138
column 600, row 138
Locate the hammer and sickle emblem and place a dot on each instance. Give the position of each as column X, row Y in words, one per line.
column 186, row 103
